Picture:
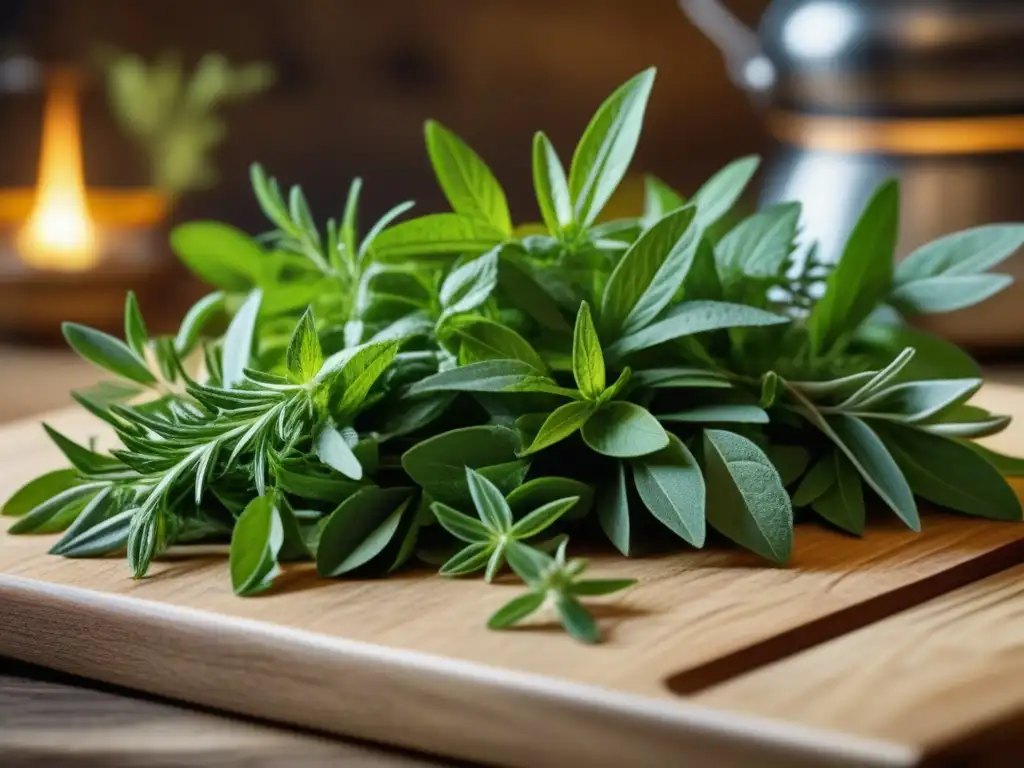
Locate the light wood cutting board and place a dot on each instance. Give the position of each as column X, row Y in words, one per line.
column 688, row 672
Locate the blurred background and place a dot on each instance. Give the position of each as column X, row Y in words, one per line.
column 146, row 114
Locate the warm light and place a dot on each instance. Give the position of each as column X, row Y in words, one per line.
column 59, row 233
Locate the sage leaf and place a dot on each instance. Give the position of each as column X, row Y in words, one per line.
column 438, row 464
column 607, row 146
column 918, row 400
column 523, row 291
column 334, row 451
column 107, row 352
column 947, row 293
column 692, row 317
column 963, row 253
column 817, row 482
column 964, row 421
column 561, row 423
column 624, row 430
column 466, row 180
column 671, row 486
column 934, row 357
column 543, row 490
column 357, row 377
column 863, row 275
column 483, row 339
column 746, row 499
column 255, row 543
column 515, row 610
column 758, row 246
column 613, row 511
column 550, row 185
column 719, row 194
column 718, row 412
column 238, row 340
column 843, row 503
column 1008, row 466
column 790, row 460
column 360, row 529
column 483, row 376
column 587, row 358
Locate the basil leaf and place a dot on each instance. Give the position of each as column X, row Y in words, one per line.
column 758, row 246
column 107, row 352
column 220, row 255
column 360, row 529
column 517, row 609
column 587, row 358
column 438, row 464
column 437, row 234
column 951, row 475
column 672, row 488
column 550, row 185
column 334, row 451
column 38, row 491
column 624, row 430
column 863, row 275
column 719, row 194
column 484, row 376
column 255, row 543
column 561, row 423
column 718, row 412
column 239, row 339
column 466, row 180
column 817, row 482
column 304, row 357
column 469, row 285
column 947, row 293
column 690, row 317
column 843, row 503
column 607, row 146
column 746, row 499
column 650, row 273
column 963, row 253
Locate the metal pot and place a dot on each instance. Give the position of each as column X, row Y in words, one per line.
column 856, row 91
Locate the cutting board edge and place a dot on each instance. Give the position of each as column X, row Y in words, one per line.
column 446, row 706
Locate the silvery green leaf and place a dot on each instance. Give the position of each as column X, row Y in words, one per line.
column 577, row 621
column 255, row 543
column 690, row 317
column 517, row 609
column 438, row 464
column 682, row 378
column 934, row 356
column 468, row 559
column 358, row 375
column 37, row 518
column 530, row 564
column 524, row 291
column 410, row 415
column 918, row 400
column 469, row 285
column 467, row 182
column 143, row 539
column 746, row 499
column 464, row 527
column 717, row 412
column 38, row 491
column 238, row 340
column 489, row 502
column 134, row 326
column 587, row 357
column 542, row 517
column 659, row 199
column 843, row 503
column 863, row 275
column 107, row 352
column 965, row 421
column 613, row 510
column 878, row 379
column 484, row 376
column 719, row 193
column 759, row 245
column 333, row 450
column 484, row 339
column 436, row 235
column 671, row 486
column 607, row 146
column 947, row 293
column 790, row 460
column 624, row 430
column 380, row 225
column 105, row 537
column 963, row 253
column 550, row 185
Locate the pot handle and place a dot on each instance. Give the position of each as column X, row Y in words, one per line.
column 746, row 62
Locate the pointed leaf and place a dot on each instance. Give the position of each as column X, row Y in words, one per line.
column 333, row 450
column 304, row 357
column 577, row 621
column 543, row 517
column 517, row 609
column 489, row 502
column 624, row 430
column 550, row 185
column 38, row 491
column 758, row 246
column 946, row 293
column 671, row 486
column 107, row 352
column 484, row 376
column 238, row 340
column 360, row 529
column 613, row 510
column 435, row 235
column 719, row 193
column 963, row 253
column 843, row 503
column 587, row 358
column 255, row 543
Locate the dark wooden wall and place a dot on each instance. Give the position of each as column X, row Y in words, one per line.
column 358, row 77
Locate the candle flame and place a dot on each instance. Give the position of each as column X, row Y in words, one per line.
column 59, row 233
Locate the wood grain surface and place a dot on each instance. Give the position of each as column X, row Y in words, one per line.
column 416, row 644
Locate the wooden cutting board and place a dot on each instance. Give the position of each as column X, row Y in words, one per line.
column 847, row 655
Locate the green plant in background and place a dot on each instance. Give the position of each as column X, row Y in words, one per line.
column 461, row 391
column 173, row 114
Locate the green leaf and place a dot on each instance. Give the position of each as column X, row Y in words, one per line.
column 460, row 526
column 358, row 375
column 587, row 358
column 98, row 509
column 313, row 485
column 680, row 377
column 333, row 450
column 522, row 290
column 863, row 275
column 702, row 282
column 195, row 320
column 816, row 483
column 38, row 491
column 965, row 421
column 360, row 529
column 468, row 560
column 718, row 412
column 84, row 460
column 719, row 193
column 758, row 246
column 934, row 356
column 947, row 293
column 220, row 255
column 918, row 400
column 789, row 460
column 542, row 517
column 144, row 537
column 530, row 564
column 550, row 185
column 466, row 180
column 607, row 146
column 659, row 199
column 437, row 234
column 107, row 352
column 598, row 587
column 542, row 490
column 469, row 285
column 624, row 430
column 577, row 621
column 438, row 464
column 843, row 503
column 414, row 415
column 692, row 317
column 650, row 273
column 485, row 376
column 134, row 326
column 489, row 502
column 613, row 511
column 746, row 499
column 672, row 488
column 1008, row 466
column 950, row 474
column 517, row 609
column 963, row 253
column 380, row 225
column 483, row 339
column 876, row 380
column 238, row 340
column 40, row 519
column 255, row 543
column 304, row 357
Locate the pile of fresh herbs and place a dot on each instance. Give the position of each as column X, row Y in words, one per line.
column 464, row 392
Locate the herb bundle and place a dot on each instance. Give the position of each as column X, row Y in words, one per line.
column 460, row 391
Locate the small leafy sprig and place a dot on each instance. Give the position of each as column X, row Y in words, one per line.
column 453, row 387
